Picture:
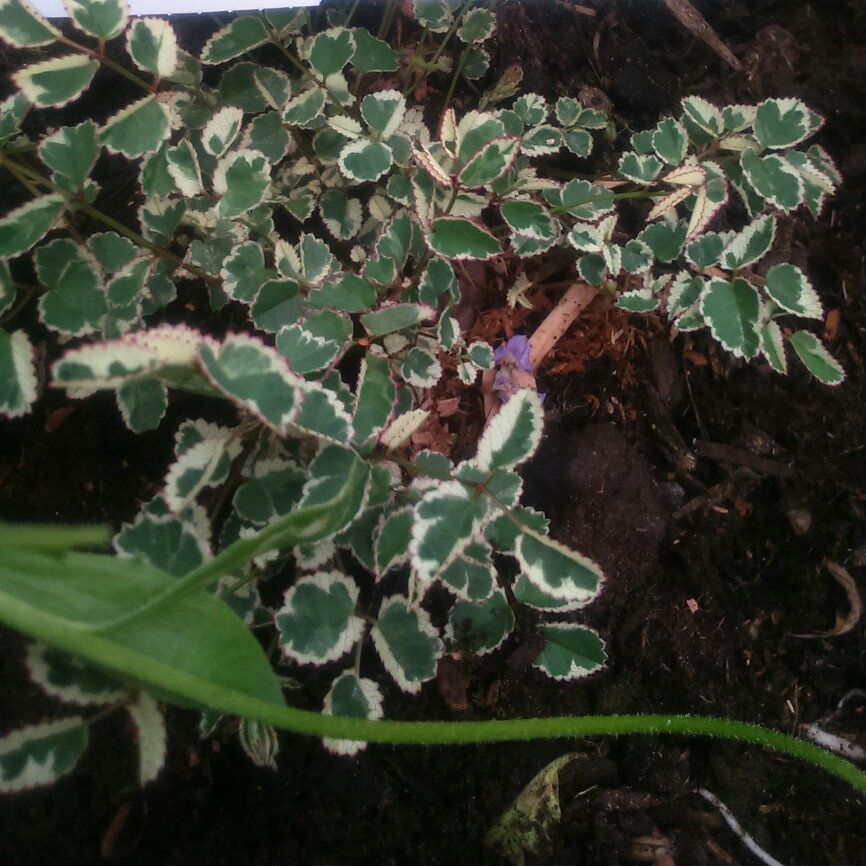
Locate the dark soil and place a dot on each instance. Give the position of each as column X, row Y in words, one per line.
column 715, row 555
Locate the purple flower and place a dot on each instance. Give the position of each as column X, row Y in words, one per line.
column 517, row 351
column 514, row 369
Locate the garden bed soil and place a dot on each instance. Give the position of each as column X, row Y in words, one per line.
column 712, row 492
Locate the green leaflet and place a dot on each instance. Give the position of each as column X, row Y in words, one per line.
column 138, row 129
column 69, row 679
column 350, row 293
column 513, row 435
column 555, row 569
column 363, row 161
column 316, row 342
column 374, row 403
column 70, row 153
column 168, row 543
column 331, row 50
column 782, row 123
column 640, row 168
column 817, row 360
column 23, row 227
column 21, row 25
column 352, row 697
column 274, row 491
column 152, row 44
column 529, row 219
column 236, row 38
column 142, row 403
column 103, row 19
column 570, row 651
column 40, row 754
column 241, row 178
column 458, row 238
column 18, row 383
column 480, row 626
column 396, row 317
column 732, row 310
column 788, row 287
column 317, row 622
column 52, row 83
column 407, row 643
column 490, row 162
column 774, row 178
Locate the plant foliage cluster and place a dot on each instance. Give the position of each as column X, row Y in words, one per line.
column 286, row 170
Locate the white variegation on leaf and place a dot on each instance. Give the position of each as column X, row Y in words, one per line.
column 526, row 592
column 22, row 26
column 458, row 238
column 431, row 164
column 641, row 168
column 70, row 679
column 374, row 399
column 342, row 215
column 329, row 51
column 671, row 200
column 421, row 368
column 774, row 178
column 407, row 643
column 638, row 300
column 670, row 141
column 490, row 162
column 40, row 754
column 70, row 152
column 480, row 626
column 557, row 570
column 732, row 310
column 570, row 651
column 322, row 414
column 137, row 129
column 401, row 429
column 354, row 697
column 781, row 123
column 704, row 209
column 789, row 287
column 259, row 742
column 773, row 346
column 52, row 83
column 254, row 376
column 751, row 244
column 18, row 382
column 103, row 19
column 182, row 164
column 702, row 116
column 236, row 38
column 152, row 44
column 317, row 622
column 383, row 112
column 391, row 545
column 21, row 228
column 512, row 436
column 242, row 178
column 362, row 161
column 815, row 357
column 204, row 464
column 142, row 403
column 151, row 735
column 221, row 131
column 690, row 174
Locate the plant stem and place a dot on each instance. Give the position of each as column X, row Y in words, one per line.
column 387, row 18
column 98, row 54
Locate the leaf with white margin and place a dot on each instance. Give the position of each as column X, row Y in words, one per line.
column 317, row 622
column 21, row 228
column 557, row 570
column 383, row 112
column 684, row 292
column 341, row 214
column 103, row 19
column 478, row 25
column 151, row 735
column 305, row 109
column 732, row 310
column 637, row 257
column 789, row 287
column 816, row 184
column 541, row 141
column 203, row 464
column 254, row 376
column 152, row 44
column 702, row 119
column 169, row 543
column 402, row 428
column 529, row 219
column 512, row 436
column 430, row 164
column 330, row 50
column 457, row 238
column 349, row 292
column 353, row 697
column 259, row 742
column 490, row 162
column 817, row 360
column 376, row 395
column 144, row 353
column 221, row 131
column 420, row 368
column 391, row 543
column 641, row 168
column 309, row 262
column 75, row 301
column 690, row 174
column 372, row 54
column 363, row 161
column 322, row 414
column 638, row 300
column 183, row 166
column 703, row 210
column 241, row 178
column 671, row 200
column 236, row 38
column 70, row 152
column 447, row 519
column 782, row 123
column 70, row 679
column 435, row 15
column 315, row 554
column 670, row 141
column 750, row 244
column 316, row 342
column 480, row 626
column 273, row 491
column 52, row 83
column 18, row 382
column 773, row 346
column 40, row 754
column 407, row 643
column 570, row 651
column 471, row 574
column 22, row 26
column 396, row 317
column 138, row 129
column 274, row 86
column 774, row 178
column 526, row 592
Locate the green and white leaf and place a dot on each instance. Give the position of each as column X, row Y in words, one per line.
column 773, row 346
column 152, row 44
column 317, row 622
column 396, row 317
column 242, row 178
column 815, row 357
column 557, row 570
column 684, row 293
column 363, row 160
column 204, row 464
column 638, row 300
column 542, row 140
column 70, row 679
column 103, row 19
column 529, row 219
column 273, row 491
column 702, row 119
column 22, row 26
column 641, row 168
column 789, row 287
column 305, row 109
column 526, row 592
column 570, row 651
column 391, row 544
column 665, row 239
column 781, row 123
column 52, row 83
column 142, row 403
column 514, row 433
column 221, row 131
column 482, row 626
column 322, row 414
column 372, row 54
column 420, row 368
column 478, row 25
column 490, row 162
column 259, row 742
column 375, row 398
column 70, row 152
column 354, row 697
column 183, row 166
column 457, row 238
column 407, row 643
column 342, row 215
column 40, row 754
column 751, row 244
column 471, row 574
column 328, row 52
column 774, row 178
column 315, row 343
column 236, row 38
column 732, row 310
column 670, row 141
column 18, row 382
column 151, row 736
column 138, row 129
column 254, row 376
column 637, row 257
column 383, row 112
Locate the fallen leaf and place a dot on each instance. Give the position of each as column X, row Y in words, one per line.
column 831, row 326
column 843, row 624
column 696, row 358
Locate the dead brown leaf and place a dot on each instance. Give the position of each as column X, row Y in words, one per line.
column 844, row 624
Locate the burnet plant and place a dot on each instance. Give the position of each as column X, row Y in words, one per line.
column 312, row 194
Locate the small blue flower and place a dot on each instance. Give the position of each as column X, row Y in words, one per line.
column 514, row 370
column 517, row 351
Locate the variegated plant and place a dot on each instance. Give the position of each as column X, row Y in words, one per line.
column 322, row 205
